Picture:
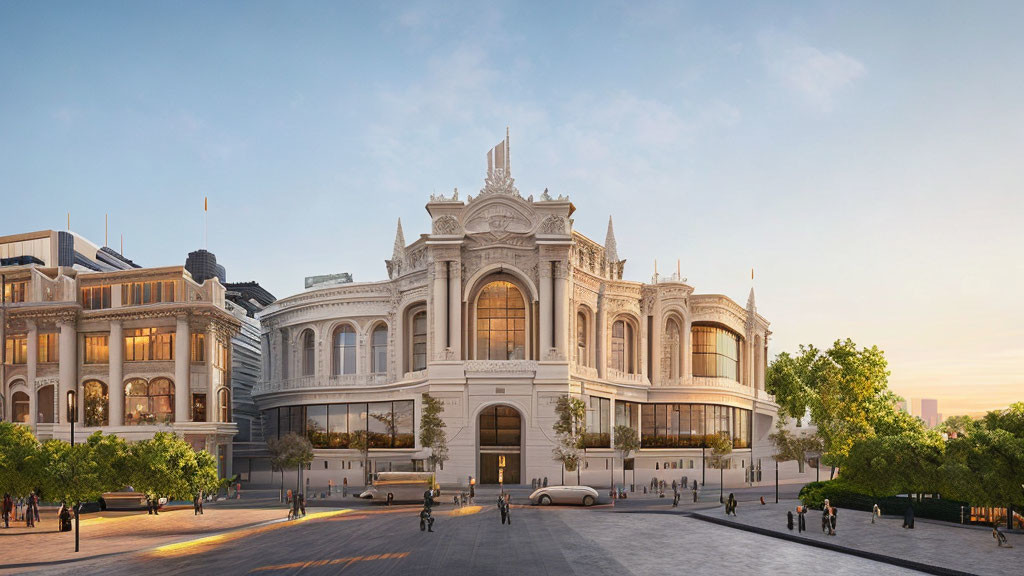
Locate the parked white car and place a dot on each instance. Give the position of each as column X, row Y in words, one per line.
column 584, row 495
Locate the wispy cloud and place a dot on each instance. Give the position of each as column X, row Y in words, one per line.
column 815, row 75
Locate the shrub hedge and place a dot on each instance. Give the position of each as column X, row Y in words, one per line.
column 813, row 495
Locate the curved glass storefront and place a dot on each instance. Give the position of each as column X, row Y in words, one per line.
column 387, row 424
column 688, row 425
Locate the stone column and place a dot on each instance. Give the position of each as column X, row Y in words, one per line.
column 656, row 375
column 115, row 383
column 182, row 389
column 212, row 382
column 30, row 373
column 561, row 336
column 601, row 335
column 546, row 308
column 68, row 370
column 687, row 351
column 440, row 311
column 455, row 308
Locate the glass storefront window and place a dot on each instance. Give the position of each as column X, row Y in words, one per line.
column 716, row 352
column 687, row 425
column 500, row 323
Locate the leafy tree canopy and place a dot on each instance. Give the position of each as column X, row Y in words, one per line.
column 22, row 461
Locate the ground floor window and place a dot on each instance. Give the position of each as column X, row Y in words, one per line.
column 688, row 425
column 387, row 424
column 96, row 406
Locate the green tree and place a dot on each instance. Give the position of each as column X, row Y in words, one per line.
column 845, row 389
column 720, row 446
column 626, row 442
column 985, row 468
column 158, row 467
column 955, row 426
column 201, row 474
column 22, row 461
column 292, row 451
column 908, row 463
column 110, row 453
column 432, row 434
column 360, row 442
column 72, row 476
column 790, row 446
column 570, row 430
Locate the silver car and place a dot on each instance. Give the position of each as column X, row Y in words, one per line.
column 584, row 495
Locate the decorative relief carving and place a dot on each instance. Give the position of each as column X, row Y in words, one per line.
column 501, row 366
column 554, row 355
column 553, row 225
column 446, row 354
column 446, row 225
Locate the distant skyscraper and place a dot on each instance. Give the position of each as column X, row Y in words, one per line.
column 930, row 411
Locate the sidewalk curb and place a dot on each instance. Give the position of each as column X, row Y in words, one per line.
column 892, row 560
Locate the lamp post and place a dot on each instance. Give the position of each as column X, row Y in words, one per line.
column 72, row 412
column 776, row 481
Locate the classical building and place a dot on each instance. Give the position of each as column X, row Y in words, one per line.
column 138, row 350
column 500, row 310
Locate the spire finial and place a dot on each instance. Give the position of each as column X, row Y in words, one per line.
column 611, row 252
column 398, row 254
column 750, row 300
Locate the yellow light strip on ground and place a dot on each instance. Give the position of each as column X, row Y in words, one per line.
column 466, row 511
column 334, row 562
column 201, row 544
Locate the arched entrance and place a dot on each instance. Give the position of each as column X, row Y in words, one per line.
column 500, row 430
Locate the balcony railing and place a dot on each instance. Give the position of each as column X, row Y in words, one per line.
column 619, row 376
column 314, row 382
column 584, row 371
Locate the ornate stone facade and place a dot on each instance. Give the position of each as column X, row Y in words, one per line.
column 581, row 329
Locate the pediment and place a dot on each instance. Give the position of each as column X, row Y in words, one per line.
column 499, row 217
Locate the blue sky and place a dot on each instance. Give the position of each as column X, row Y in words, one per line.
column 865, row 158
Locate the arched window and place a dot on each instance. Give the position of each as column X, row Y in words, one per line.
column 419, row 341
column 344, row 357
column 96, row 407
column 671, row 365
column 44, row 405
column 20, row 407
column 308, row 353
column 224, row 402
column 284, row 354
column 581, row 339
column 716, row 352
column 379, row 350
column 623, row 356
column 500, row 323
column 148, row 403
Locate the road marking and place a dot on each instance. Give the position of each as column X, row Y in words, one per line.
column 198, row 545
column 336, row 561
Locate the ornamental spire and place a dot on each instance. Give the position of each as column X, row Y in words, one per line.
column 750, row 300
column 398, row 254
column 611, row 252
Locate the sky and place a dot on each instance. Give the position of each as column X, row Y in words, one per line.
column 865, row 159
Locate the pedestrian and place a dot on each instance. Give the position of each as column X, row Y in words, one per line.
column 302, row 504
column 675, row 499
column 694, row 494
column 801, row 521
column 35, row 506
column 875, row 511
column 289, row 500
column 695, row 484
column 426, row 520
column 789, row 519
column 330, row 486
column 30, row 515
column 63, row 518
column 998, row 535
column 7, row 506
column 344, row 487
column 293, row 509
column 195, row 504
column 832, row 521
column 463, row 497
column 472, row 491
column 908, row 517
column 501, row 509
column 673, row 485
column 762, row 500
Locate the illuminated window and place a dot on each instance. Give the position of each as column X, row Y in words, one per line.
column 598, row 423
column 224, row 403
column 139, row 293
column 716, row 352
column 96, row 297
column 344, row 356
column 20, row 407
column 419, row 341
column 48, row 348
column 148, row 403
column 144, row 344
column 44, row 404
column 96, row 403
column 15, row 292
column 97, row 348
column 500, row 323
column 16, row 349
column 199, row 407
column 379, row 350
column 197, row 348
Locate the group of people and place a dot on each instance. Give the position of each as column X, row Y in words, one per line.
column 12, row 511
column 460, row 499
column 298, row 506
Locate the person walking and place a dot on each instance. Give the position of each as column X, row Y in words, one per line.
column 999, row 536
column 302, row 504
column 195, row 504
column 63, row 518
column 344, row 487
column 908, row 518
column 426, row 520
column 789, row 520
column 832, row 521
column 7, row 508
column 472, row 493
column 30, row 516
column 875, row 511
column 694, row 494
column 801, row 520
column 35, row 506
column 503, row 510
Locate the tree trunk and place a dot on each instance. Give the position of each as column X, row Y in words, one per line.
column 832, row 473
column 78, row 510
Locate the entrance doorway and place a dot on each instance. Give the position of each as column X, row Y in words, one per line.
column 501, row 436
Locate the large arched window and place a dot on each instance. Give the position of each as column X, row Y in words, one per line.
column 418, row 347
column 581, row 339
column 148, row 403
column 308, row 353
column 716, row 352
column 671, row 358
column 379, row 350
column 44, row 405
column 284, row 354
column 500, row 323
column 20, row 407
column 224, row 403
column 344, row 356
column 623, row 356
column 96, row 407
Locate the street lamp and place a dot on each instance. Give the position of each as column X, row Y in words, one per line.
column 72, row 412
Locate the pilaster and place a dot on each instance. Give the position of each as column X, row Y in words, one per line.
column 115, row 384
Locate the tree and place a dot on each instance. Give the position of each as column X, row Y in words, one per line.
column 161, row 467
column 360, row 442
column 721, row 447
column 570, row 430
column 626, row 442
column 845, row 389
column 956, row 426
column 789, row 446
column 72, row 476
column 22, row 462
column 291, row 451
column 432, row 433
